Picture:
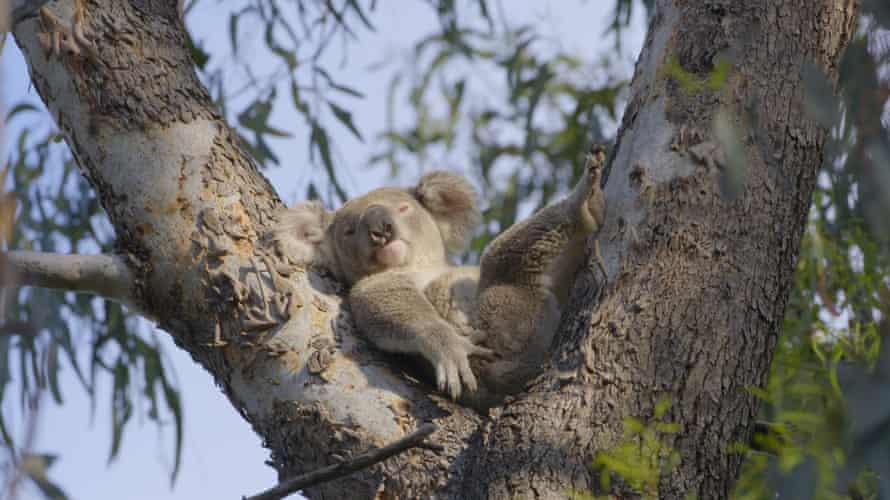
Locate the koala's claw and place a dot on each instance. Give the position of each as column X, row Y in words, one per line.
column 589, row 193
column 449, row 375
column 453, row 370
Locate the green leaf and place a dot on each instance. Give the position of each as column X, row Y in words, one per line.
column 347, row 90
column 20, row 108
column 361, row 14
column 171, row 396
column 758, row 392
column 121, row 407
column 336, row 86
column 319, row 139
column 663, row 405
column 199, row 55
column 256, row 117
column 61, row 335
column 299, row 104
column 338, row 17
column 52, row 371
column 483, row 9
column 4, row 381
column 345, row 118
column 233, row 31
column 289, row 57
column 36, row 466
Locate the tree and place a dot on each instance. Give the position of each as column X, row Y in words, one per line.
column 709, row 187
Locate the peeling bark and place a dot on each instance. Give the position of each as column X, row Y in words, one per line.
column 698, row 279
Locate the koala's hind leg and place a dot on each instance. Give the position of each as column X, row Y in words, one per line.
column 514, row 319
column 526, row 274
column 549, row 244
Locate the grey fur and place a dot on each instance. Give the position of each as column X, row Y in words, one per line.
column 407, row 297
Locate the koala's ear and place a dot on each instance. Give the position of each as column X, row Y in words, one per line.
column 301, row 235
column 453, row 203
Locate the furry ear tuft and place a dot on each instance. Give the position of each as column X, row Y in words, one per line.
column 453, row 203
column 301, row 235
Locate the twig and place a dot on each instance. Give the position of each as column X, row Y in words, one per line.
column 336, row 471
column 105, row 275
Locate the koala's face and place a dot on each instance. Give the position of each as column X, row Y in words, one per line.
column 385, row 229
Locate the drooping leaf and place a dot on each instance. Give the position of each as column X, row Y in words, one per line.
column 345, row 117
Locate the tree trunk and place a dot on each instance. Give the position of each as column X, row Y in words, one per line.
column 708, row 195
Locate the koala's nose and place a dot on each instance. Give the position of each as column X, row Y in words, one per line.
column 380, row 225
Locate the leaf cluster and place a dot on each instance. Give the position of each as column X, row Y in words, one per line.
column 46, row 333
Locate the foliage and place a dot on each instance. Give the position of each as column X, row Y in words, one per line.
column 300, row 36
column 641, row 458
column 45, row 332
column 824, row 434
column 827, row 432
column 526, row 142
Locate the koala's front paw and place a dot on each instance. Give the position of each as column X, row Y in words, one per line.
column 452, row 364
column 591, row 201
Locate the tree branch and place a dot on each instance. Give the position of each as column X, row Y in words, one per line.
column 104, row 275
column 331, row 472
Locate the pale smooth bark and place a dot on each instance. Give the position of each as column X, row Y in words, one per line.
column 698, row 279
column 104, row 275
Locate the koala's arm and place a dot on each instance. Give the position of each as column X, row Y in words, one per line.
column 396, row 317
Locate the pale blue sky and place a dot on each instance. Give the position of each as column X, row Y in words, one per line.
column 222, row 457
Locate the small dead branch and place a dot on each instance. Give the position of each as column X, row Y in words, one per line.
column 336, row 471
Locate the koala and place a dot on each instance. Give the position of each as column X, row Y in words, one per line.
column 483, row 328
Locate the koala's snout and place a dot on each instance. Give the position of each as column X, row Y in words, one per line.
column 380, row 225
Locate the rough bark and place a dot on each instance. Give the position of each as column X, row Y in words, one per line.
column 699, row 265
column 700, row 269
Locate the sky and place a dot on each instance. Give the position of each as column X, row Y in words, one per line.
column 222, row 457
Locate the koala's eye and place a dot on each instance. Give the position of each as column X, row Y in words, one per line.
column 349, row 231
column 405, row 207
